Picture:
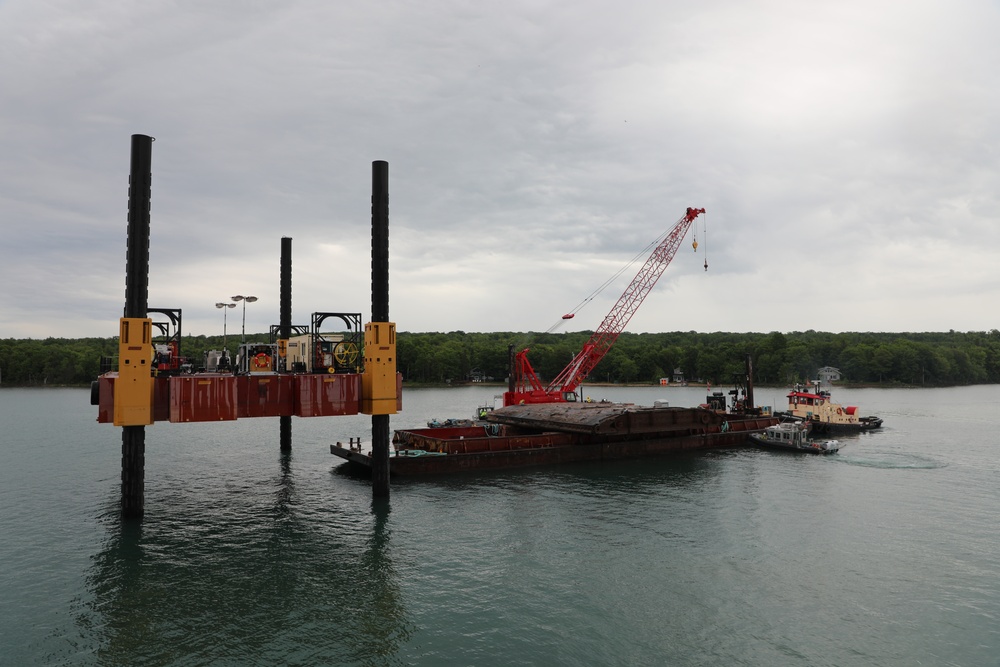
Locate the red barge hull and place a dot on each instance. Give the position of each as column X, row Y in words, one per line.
column 205, row 397
column 547, row 434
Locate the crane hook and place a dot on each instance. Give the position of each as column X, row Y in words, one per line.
column 706, row 263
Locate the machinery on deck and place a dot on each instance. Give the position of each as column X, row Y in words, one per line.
column 309, row 350
column 167, row 359
column 339, row 352
column 319, row 371
column 525, row 385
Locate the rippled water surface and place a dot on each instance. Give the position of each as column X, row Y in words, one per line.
column 883, row 554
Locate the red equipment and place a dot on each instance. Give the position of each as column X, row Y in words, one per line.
column 525, row 387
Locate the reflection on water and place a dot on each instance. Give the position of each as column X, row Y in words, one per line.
column 234, row 584
column 742, row 556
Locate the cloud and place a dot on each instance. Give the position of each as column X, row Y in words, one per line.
column 845, row 154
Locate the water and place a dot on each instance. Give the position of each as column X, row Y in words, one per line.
column 883, row 554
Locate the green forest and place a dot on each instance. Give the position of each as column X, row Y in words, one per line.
column 899, row 359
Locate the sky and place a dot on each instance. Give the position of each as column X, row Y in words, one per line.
column 846, row 155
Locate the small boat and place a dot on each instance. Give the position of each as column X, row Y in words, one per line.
column 824, row 415
column 453, row 422
column 794, row 436
column 449, row 423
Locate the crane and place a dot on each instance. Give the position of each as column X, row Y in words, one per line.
column 526, row 387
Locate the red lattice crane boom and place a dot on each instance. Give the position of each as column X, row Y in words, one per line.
column 525, row 386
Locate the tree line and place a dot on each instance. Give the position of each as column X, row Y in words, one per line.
column 922, row 359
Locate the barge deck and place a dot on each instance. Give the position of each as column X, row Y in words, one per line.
column 544, row 434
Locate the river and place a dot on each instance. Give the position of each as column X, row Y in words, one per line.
column 883, row 554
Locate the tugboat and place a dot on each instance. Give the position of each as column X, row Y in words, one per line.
column 824, row 416
column 793, row 436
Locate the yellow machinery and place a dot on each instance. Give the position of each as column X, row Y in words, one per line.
column 134, row 387
column 378, row 382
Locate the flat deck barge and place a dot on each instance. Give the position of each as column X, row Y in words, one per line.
column 553, row 433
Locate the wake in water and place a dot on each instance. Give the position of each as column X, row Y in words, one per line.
column 891, row 460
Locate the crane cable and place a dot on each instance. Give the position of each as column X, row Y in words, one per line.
column 642, row 253
column 704, row 228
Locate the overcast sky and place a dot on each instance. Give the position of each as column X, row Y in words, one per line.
column 846, row 154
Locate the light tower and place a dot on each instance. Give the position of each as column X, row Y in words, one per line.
column 245, row 300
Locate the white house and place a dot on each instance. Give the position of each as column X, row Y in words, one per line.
column 828, row 374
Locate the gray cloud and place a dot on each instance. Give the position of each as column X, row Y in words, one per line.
column 846, row 156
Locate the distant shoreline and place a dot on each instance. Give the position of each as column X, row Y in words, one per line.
column 689, row 385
